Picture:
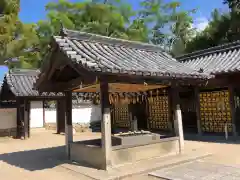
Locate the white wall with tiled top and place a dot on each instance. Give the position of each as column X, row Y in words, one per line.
column 83, row 114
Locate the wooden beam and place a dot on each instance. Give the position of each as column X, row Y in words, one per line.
column 56, row 65
column 62, row 86
column 119, row 87
column 154, row 80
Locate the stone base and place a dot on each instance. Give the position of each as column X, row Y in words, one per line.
column 82, row 127
column 12, row 132
column 77, row 127
column 90, row 152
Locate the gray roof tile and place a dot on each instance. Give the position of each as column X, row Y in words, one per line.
column 105, row 54
column 216, row 60
column 21, row 83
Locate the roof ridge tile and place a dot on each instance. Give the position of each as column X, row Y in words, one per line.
column 84, row 36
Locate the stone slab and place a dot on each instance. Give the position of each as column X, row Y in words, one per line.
column 132, row 169
column 199, row 170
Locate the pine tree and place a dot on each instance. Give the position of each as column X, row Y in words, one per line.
column 17, row 40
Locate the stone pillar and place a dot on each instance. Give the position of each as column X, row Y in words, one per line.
column 178, row 127
column 134, row 124
column 68, row 123
column 197, row 106
column 106, row 125
column 177, row 117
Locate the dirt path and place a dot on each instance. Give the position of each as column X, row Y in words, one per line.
column 36, row 158
column 41, row 156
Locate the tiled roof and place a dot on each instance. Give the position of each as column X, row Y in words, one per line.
column 104, row 54
column 21, row 83
column 216, row 60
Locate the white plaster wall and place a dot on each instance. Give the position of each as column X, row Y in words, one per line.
column 82, row 114
column 8, row 118
column 36, row 114
column 50, row 115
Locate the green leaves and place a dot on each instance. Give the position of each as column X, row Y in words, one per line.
column 223, row 28
column 16, row 39
column 234, row 5
column 169, row 26
column 157, row 22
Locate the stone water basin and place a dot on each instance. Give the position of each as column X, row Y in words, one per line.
column 136, row 138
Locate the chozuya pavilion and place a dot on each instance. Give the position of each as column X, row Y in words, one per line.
column 110, row 72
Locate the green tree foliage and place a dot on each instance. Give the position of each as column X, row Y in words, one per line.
column 170, row 28
column 215, row 33
column 223, row 28
column 234, row 5
column 234, row 28
column 17, row 40
column 157, row 22
column 111, row 18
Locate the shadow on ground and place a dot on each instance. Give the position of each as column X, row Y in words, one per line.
column 38, row 159
column 212, row 139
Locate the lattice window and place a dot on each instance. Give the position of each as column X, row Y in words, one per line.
column 215, row 111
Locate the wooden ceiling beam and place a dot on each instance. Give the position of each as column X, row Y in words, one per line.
column 118, row 87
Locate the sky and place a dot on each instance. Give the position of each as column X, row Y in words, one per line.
column 34, row 10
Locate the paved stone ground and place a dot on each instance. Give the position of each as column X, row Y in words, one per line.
column 42, row 156
column 224, row 153
column 199, row 170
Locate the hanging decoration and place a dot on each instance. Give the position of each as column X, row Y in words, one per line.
column 215, row 111
column 121, row 115
column 159, row 111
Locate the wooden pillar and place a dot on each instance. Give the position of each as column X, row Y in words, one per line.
column 28, row 105
column 197, row 106
column 232, row 109
column 57, row 117
column 18, row 118
column 68, row 122
column 44, row 118
column 60, row 116
column 178, row 127
column 26, row 120
column 170, row 109
column 106, row 124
